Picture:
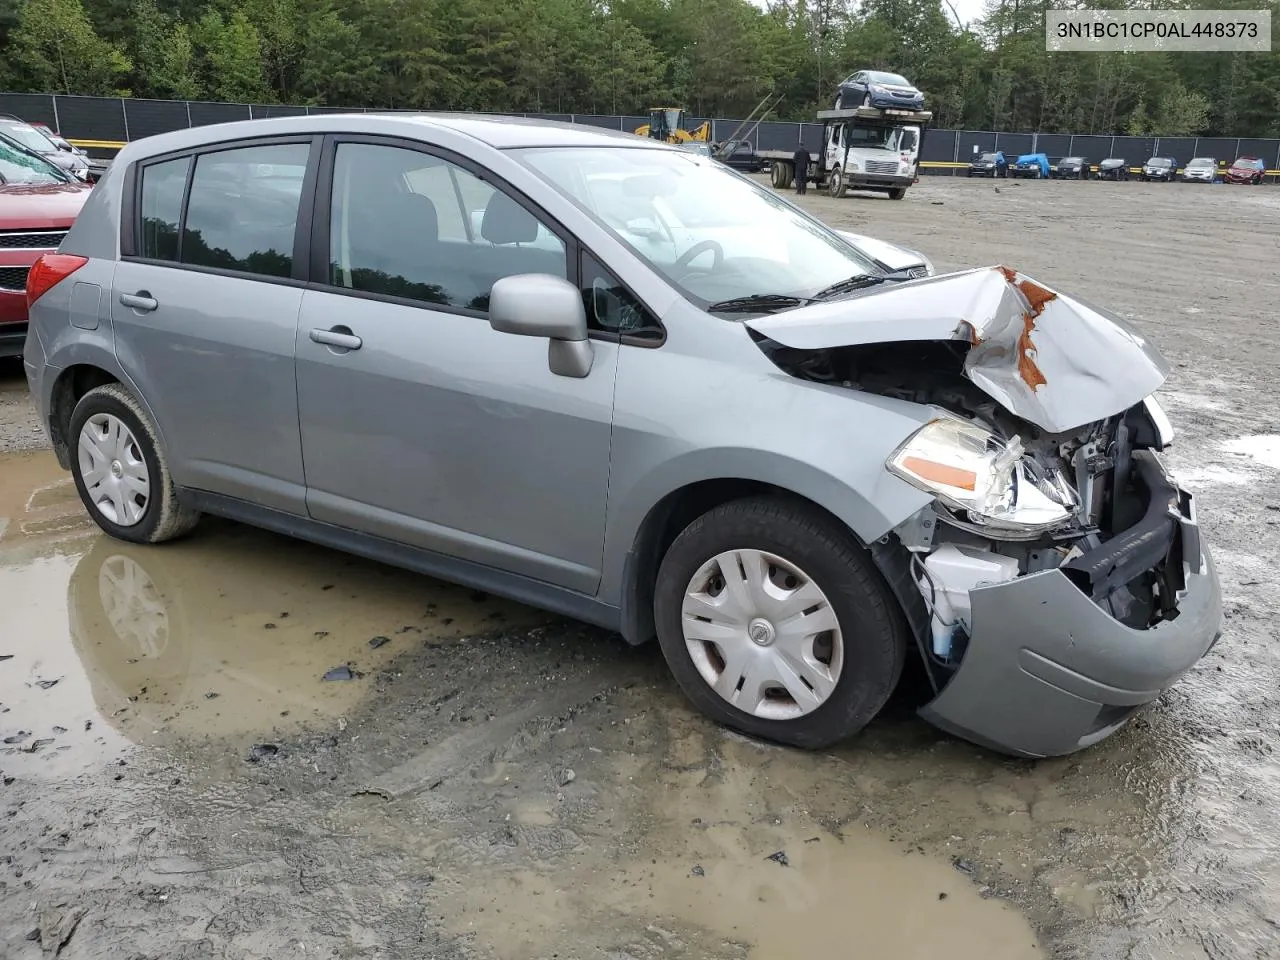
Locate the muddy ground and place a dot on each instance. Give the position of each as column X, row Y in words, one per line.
column 179, row 781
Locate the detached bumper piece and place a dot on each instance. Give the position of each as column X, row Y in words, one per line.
column 1049, row 671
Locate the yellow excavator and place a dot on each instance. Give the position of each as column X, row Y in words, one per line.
column 669, row 125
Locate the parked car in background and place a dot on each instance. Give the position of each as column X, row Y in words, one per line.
column 740, row 155
column 1159, row 169
column 38, row 203
column 840, row 502
column 1200, row 170
column 875, row 88
column 28, row 136
column 1113, row 168
column 1032, row 165
column 1071, row 168
column 700, row 147
column 990, row 164
column 1246, row 170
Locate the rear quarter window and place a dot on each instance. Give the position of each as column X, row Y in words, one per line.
column 161, row 208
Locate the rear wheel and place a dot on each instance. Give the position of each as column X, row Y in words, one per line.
column 775, row 622
column 120, row 472
column 783, row 174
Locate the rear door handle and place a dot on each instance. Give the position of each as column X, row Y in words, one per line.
column 340, row 337
column 142, row 300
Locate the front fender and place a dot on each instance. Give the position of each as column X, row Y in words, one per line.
column 824, row 443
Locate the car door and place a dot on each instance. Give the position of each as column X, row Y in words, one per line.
column 421, row 423
column 204, row 309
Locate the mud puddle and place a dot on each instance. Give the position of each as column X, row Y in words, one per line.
column 229, row 632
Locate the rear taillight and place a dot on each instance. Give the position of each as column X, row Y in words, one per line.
column 48, row 271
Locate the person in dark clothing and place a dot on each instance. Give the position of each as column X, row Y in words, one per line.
column 801, row 160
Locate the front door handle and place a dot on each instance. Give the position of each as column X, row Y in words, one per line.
column 142, row 300
column 340, row 337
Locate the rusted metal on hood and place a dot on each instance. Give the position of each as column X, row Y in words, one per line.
column 1043, row 355
column 1036, row 297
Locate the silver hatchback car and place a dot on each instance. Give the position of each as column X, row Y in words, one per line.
column 618, row 381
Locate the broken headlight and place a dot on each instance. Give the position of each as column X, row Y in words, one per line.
column 982, row 478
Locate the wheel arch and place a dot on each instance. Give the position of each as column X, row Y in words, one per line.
column 68, row 387
column 643, row 543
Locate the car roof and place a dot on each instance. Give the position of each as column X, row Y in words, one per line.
column 499, row 132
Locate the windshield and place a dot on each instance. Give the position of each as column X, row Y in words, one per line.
column 873, row 138
column 713, row 234
column 1157, row 162
column 28, row 136
column 17, row 166
column 890, row 78
column 1072, row 160
column 987, row 156
column 1248, row 162
column 1199, row 162
column 704, row 149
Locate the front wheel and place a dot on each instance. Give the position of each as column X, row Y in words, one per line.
column 120, row 471
column 835, row 183
column 775, row 622
column 897, row 193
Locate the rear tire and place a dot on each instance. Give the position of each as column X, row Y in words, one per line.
column 803, row 561
column 120, row 471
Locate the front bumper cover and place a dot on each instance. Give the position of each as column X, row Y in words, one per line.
column 1048, row 672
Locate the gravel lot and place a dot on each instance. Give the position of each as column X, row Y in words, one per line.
column 493, row 782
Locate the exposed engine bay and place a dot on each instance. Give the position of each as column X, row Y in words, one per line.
column 1013, row 499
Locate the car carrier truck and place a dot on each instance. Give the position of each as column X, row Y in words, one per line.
column 862, row 149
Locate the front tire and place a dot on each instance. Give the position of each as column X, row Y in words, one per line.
column 120, row 471
column 775, row 622
column 835, row 183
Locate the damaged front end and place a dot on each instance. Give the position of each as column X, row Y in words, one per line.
column 1057, row 581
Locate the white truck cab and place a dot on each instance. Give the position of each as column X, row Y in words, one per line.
column 865, row 148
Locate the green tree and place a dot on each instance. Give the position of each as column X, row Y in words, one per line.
column 229, row 57
column 163, row 56
column 55, row 48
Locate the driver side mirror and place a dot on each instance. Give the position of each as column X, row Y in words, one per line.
column 540, row 305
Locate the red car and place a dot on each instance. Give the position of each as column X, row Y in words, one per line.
column 38, row 203
column 1246, row 170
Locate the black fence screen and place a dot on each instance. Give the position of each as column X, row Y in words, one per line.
column 103, row 124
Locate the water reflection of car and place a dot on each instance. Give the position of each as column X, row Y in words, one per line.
column 767, row 462
column 1200, row 170
column 1071, row 168
column 1159, row 169
column 1249, row 170
column 991, row 164
column 1034, row 166
column 1113, row 168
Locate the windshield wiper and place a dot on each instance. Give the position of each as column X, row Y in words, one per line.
column 759, row 302
column 853, row 283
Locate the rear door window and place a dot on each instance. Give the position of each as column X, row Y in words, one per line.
column 243, row 209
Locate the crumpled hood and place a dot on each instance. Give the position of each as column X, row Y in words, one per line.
column 1042, row 355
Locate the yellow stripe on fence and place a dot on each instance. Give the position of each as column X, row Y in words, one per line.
column 101, row 144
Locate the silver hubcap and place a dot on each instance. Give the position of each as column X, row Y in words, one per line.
column 762, row 634
column 114, row 473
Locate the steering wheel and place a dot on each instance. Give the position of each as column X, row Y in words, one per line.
column 699, row 248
